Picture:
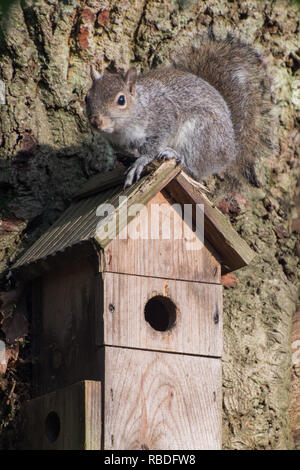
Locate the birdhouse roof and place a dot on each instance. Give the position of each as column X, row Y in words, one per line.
column 80, row 225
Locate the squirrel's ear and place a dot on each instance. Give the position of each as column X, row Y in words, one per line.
column 94, row 74
column 130, row 79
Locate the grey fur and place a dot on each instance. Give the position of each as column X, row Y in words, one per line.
column 172, row 113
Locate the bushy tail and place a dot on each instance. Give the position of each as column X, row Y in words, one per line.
column 236, row 70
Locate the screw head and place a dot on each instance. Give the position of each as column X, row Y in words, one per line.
column 111, row 308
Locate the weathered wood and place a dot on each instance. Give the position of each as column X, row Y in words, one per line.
column 233, row 250
column 182, row 256
column 86, row 249
column 87, row 220
column 101, row 182
column 67, row 419
column 139, row 193
column 143, row 315
column 161, row 401
column 116, row 177
column 198, row 326
column 68, row 314
column 36, row 331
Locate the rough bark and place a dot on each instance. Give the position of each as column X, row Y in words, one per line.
column 48, row 151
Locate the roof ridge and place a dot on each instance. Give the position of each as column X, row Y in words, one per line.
column 83, row 221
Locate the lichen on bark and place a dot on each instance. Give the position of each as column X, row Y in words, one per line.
column 48, row 150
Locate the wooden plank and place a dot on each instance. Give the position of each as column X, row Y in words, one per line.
column 234, row 251
column 140, row 192
column 92, row 415
column 117, row 176
column 56, row 262
column 67, row 341
column 80, row 221
column 101, row 182
column 198, row 325
column 36, row 297
column 67, row 419
column 161, row 401
column 142, row 247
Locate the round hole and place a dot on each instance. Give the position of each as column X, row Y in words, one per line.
column 160, row 313
column 52, row 426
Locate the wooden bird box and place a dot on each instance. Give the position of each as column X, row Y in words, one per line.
column 127, row 317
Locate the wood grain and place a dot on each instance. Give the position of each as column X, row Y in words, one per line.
column 141, row 192
column 100, row 182
column 234, row 251
column 169, row 258
column 161, row 401
column 78, row 410
column 198, row 327
column 66, row 338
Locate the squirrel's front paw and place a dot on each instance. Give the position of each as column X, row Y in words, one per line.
column 169, row 153
column 135, row 171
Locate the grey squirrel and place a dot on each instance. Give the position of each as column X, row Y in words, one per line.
column 209, row 110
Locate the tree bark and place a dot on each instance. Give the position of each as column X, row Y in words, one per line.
column 48, row 151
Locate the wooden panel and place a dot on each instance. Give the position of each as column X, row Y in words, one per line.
column 198, row 327
column 178, row 257
column 234, row 251
column 68, row 419
column 140, row 192
column 161, row 401
column 86, row 249
column 67, row 331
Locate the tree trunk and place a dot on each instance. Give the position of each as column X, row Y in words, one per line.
column 48, row 151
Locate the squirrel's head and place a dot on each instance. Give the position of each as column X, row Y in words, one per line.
column 111, row 99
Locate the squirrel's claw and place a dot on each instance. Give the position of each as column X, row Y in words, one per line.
column 169, row 153
column 135, row 171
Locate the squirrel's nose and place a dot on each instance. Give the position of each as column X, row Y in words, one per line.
column 97, row 122
column 102, row 123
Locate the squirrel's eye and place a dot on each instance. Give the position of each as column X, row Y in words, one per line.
column 121, row 100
